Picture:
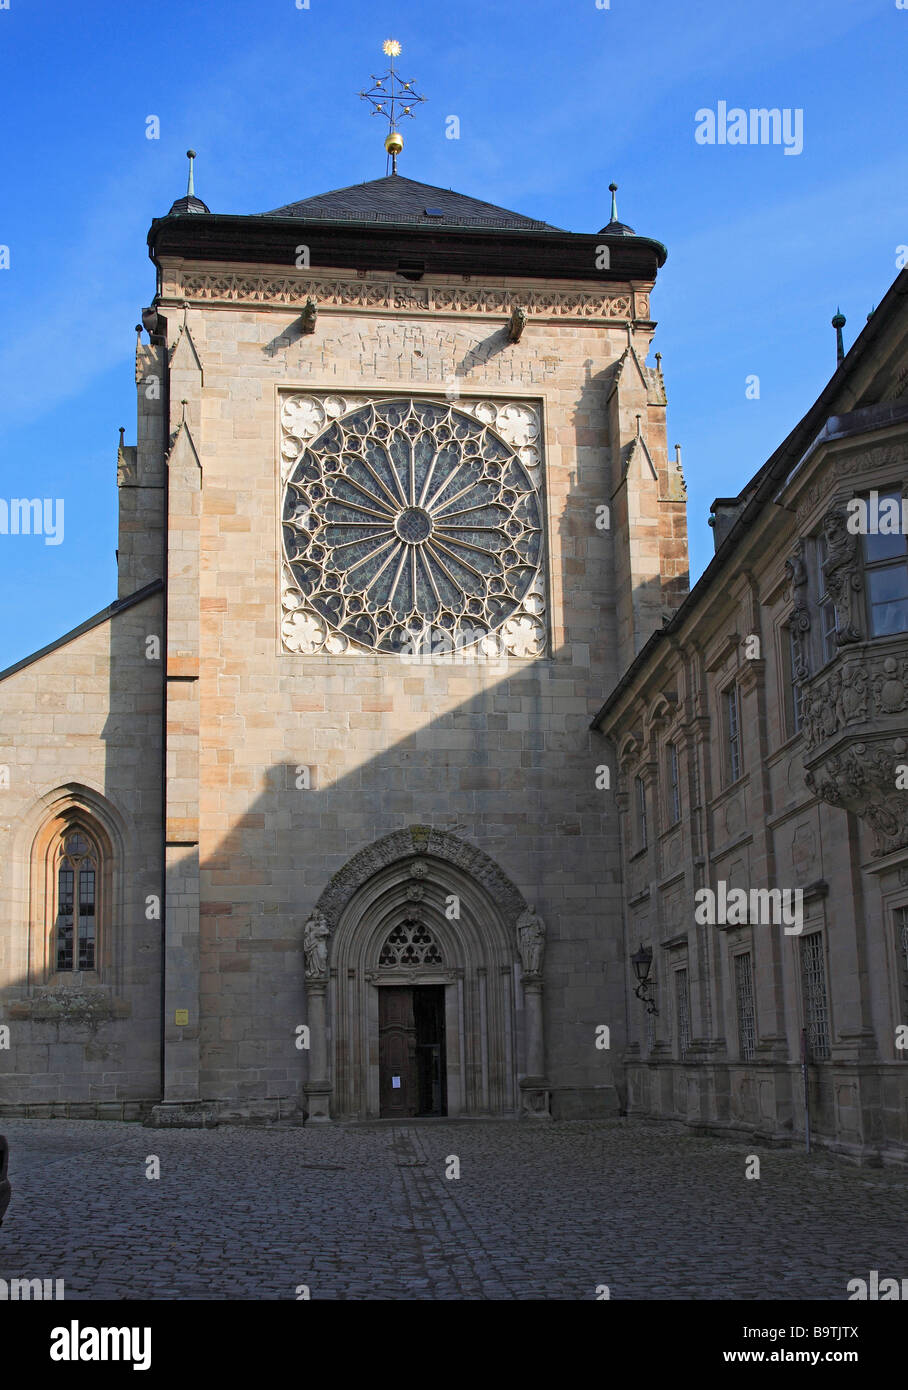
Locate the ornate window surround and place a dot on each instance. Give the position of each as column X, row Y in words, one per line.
column 508, row 618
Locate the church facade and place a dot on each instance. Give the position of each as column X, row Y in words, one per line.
column 311, row 822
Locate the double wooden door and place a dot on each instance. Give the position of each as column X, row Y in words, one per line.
column 411, row 1050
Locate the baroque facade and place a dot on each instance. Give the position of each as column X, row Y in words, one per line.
column 762, row 744
column 306, row 824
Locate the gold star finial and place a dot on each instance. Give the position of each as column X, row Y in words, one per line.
column 392, row 98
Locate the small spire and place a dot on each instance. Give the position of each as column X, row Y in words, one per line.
column 122, row 433
column 838, row 323
column 613, row 226
column 189, row 203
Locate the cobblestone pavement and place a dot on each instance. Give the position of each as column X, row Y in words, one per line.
column 540, row 1211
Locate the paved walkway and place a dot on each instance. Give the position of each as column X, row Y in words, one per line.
column 544, row 1211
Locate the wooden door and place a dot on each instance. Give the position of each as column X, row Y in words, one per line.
column 397, row 1074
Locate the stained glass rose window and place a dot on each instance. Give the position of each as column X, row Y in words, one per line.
column 407, row 518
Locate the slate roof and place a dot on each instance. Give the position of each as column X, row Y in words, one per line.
column 398, row 201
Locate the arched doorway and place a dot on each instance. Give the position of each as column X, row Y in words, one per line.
column 423, row 1000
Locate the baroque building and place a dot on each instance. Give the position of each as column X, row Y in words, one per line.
column 761, row 737
column 309, row 823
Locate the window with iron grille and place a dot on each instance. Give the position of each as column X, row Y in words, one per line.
column 640, row 793
column 682, row 1011
column 732, row 734
column 744, row 997
column 886, row 571
column 674, row 785
column 813, row 993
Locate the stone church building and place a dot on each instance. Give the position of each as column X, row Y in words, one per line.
column 311, row 822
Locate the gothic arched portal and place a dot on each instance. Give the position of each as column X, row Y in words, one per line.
column 421, row 908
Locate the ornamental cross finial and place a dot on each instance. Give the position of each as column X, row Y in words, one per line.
column 392, row 98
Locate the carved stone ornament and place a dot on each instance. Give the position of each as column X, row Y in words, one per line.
column 333, row 291
column 531, row 941
column 860, row 690
column 844, row 579
column 796, row 569
column 315, row 946
column 411, row 527
column 863, row 779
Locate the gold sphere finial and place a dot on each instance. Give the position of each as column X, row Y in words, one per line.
column 394, row 142
column 391, row 47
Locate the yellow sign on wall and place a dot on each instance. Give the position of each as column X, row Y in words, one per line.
column 181, row 1017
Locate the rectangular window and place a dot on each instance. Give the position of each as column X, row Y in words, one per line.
column 640, row 793
column 886, row 570
column 813, row 994
column 682, row 1012
column 732, row 734
column 826, row 606
column 792, row 689
column 744, row 998
column 674, row 786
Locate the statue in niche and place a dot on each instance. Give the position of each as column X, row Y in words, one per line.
column 315, row 946
column 530, row 940
column 842, row 571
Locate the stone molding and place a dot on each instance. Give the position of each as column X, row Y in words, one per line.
column 419, row 841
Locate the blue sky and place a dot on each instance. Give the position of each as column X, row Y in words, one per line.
column 555, row 101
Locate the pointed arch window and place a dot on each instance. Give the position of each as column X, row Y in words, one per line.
column 77, row 878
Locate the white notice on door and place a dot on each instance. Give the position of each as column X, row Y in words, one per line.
column 395, row 1083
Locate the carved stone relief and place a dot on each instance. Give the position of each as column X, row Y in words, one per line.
column 862, row 779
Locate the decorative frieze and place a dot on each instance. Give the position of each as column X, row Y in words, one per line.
column 857, row 691
column 335, row 292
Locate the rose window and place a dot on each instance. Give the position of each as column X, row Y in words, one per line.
column 406, row 522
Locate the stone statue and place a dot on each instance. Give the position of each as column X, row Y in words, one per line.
column 315, row 946
column 530, row 940
column 843, row 575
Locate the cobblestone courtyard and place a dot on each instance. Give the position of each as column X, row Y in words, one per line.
column 540, row 1211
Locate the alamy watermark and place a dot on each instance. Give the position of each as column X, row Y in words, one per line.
column 873, row 516
column 734, row 907
column 24, row 516
column 466, row 647
column 760, row 125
